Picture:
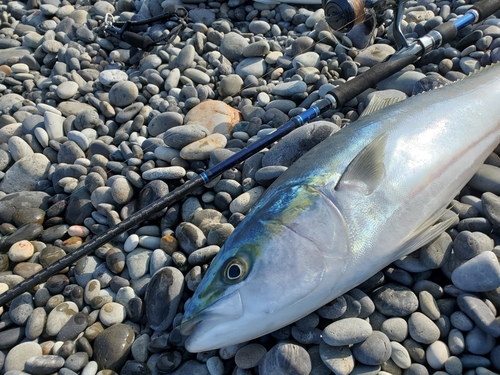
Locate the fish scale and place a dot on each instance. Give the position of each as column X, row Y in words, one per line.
column 363, row 198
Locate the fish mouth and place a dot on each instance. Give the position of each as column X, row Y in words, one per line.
column 224, row 310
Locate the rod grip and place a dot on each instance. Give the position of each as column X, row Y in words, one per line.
column 370, row 78
column 138, row 41
column 486, row 8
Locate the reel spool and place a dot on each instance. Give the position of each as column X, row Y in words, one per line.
column 343, row 15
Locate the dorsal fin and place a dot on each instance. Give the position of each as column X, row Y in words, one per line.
column 366, row 170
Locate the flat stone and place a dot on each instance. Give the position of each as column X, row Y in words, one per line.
column 479, row 313
column 374, row 54
column 44, row 364
column 21, row 308
column 347, row 332
column 250, row 355
column 216, row 116
column 25, row 174
column 201, row 149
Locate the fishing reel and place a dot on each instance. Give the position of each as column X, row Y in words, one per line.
column 343, row 15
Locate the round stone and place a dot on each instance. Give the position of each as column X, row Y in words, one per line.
column 437, row 354
column 232, row 46
column 422, row 329
column 21, row 251
column 286, row 358
column 138, row 262
column 479, row 274
column 250, row 355
column 112, row 346
column 400, row 355
column 123, row 93
column 395, row 300
column 112, row 313
column 479, row 342
column 59, row 316
column 375, row 350
column 21, row 308
column 347, row 332
column 67, row 90
column 18, row 356
column 338, row 359
column 396, row 329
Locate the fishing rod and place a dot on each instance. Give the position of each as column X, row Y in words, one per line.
column 336, row 98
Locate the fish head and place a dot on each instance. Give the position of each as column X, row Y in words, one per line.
column 260, row 279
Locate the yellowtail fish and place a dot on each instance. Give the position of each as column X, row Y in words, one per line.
column 368, row 195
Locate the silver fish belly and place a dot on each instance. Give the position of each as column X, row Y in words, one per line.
column 363, row 198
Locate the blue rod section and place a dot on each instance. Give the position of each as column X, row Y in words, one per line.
column 467, row 19
column 299, row 120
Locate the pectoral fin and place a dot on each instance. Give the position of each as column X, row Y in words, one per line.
column 366, row 170
column 427, row 232
column 378, row 102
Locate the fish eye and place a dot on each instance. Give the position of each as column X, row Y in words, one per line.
column 235, row 270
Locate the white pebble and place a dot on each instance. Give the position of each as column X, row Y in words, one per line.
column 21, row 251
column 112, row 313
column 437, row 354
column 131, row 243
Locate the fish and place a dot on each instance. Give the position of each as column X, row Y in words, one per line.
column 368, row 195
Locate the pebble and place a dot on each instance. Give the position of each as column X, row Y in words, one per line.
column 479, row 342
column 479, row 313
column 422, row 329
column 347, row 331
column 287, row 358
column 250, row 355
column 396, row 329
column 120, row 123
column 395, row 301
column 44, row 364
column 112, row 346
column 163, row 297
column 479, row 274
column 21, row 251
column 112, row 313
column 437, row 354
column 338, row 359
column 21, row 308
column 375, row 350
column 59, row 316
column 123, row 93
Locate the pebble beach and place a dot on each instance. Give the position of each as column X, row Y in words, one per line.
column 93, row 129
